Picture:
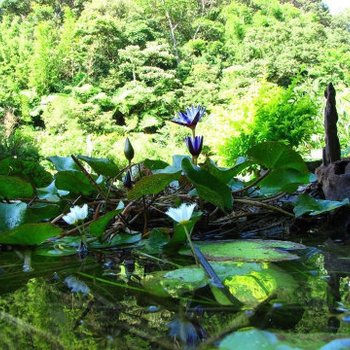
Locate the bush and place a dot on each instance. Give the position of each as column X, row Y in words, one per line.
column 278, row 114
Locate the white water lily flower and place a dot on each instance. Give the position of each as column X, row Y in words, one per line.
column 181, row 214
column 76, row 214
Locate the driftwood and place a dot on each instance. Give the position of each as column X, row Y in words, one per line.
column 334, row 173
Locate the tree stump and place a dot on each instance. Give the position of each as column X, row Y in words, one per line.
column 334, row 173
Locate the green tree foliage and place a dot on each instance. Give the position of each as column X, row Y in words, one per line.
column 109, row 67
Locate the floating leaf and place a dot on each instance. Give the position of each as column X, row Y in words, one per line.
column 207, row 185
column 29, row 234
column 248, row 250
column 12, row 187
column 158, row 238
column 175, row 283
column 98, row 226
column 11, row 215
column 102, row 166
column 253, row 339
column 73, row 181
column 64, row 163
column 152, row 184
column 307, row 204
column 255, row 287
column 55, row 251
column 121, row 239
column 276, row 155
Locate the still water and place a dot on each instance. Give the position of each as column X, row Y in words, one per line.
column 99, row 303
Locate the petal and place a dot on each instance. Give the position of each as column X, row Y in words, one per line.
column 70, row 218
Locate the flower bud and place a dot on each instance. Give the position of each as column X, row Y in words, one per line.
column 128, row 150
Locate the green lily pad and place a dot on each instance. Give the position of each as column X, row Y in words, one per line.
column 253, row 339
column 248, row 250
column 97, row 227
column 207, row 185
column 276, row 155
column 175, row 167
column 12, row 187
column 11, row 215
column 152, row 184
column 51, row 193
column 63, row 163
column 307, row 204
column 255, row 287
column 73, row 181
column 29, row 234
column 175, row 283
column 120, row 239
column 101, row 166
column 155, row 164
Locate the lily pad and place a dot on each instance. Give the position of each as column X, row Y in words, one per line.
column 73, row 181
column 101, row 166
column 51, row 193
column 207, row 185
column 307, row 204
column 29, row 234
column 12, row 187
column 152, row 184
column 175, row 283
column 63, row 163
column 253, row 339
column 248, row 250
column 120, row 239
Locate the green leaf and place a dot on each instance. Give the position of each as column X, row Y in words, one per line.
column 158, row 238
column 64, row 163
column 224, row 175
column 175, row 167
column 101, row 166
column 152, row 184
column 307, row 204
column 121, row 239
column 283, row 180
column 51, row 193
column 12, row 187
column 175, row 283
column 98, row 226
column 41, row 211
column 248, row 250
column 29, row 234
column 55, row 251
column 207, row 185
column 73, row 181
column 276, row 155
column 11, row 215
column 254, row 339
column 155, row 164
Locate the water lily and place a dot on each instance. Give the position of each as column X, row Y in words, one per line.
column 194, row 145
column 76, row 214
column 182, row 214
column 190, row 117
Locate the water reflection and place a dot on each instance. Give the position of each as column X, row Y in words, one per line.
column 98, row 303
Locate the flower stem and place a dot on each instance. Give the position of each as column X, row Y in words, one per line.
column 188, row 235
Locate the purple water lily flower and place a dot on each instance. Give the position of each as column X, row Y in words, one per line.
column 194, row 145
column 190, row 117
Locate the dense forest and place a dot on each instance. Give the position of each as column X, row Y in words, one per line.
column 79, row 76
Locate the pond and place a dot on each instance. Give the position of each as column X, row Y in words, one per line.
column 102, row 302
